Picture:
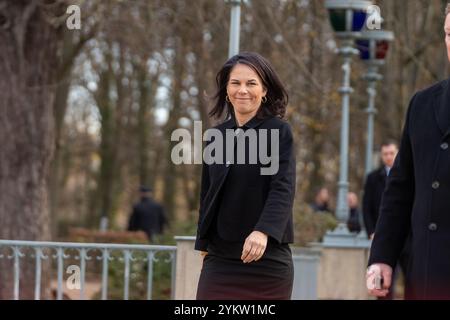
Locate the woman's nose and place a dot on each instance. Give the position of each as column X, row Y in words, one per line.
column 242, row 90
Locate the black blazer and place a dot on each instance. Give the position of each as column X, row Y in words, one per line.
column 269, row 198
column 417, row 196
column 373, row 190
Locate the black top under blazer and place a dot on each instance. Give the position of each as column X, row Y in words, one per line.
column 264, row 202
column 417, row 196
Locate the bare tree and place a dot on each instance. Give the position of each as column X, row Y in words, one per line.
column 28, row 61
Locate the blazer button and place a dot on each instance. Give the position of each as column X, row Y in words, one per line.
column 435, row 185
column 444, row 146
column 227, row 164
column 432, row 226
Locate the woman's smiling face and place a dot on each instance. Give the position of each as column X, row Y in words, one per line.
column 245, row 90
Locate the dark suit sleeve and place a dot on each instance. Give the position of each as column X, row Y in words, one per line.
column 368, row 205
column 202, row 244
column 394, row 224
column 278, row 206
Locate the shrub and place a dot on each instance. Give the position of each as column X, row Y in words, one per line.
column 310, row 226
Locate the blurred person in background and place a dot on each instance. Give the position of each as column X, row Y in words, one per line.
column 147, row 215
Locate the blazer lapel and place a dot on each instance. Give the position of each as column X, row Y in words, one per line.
column 221, row 170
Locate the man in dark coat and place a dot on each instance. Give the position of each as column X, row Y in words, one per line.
column 417, row 198
column 374, row 186
column 147, row 215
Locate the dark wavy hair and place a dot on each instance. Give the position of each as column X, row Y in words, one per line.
column 277, row 97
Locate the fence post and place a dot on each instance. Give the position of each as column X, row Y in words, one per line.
column 188, row 267
column 306, row 270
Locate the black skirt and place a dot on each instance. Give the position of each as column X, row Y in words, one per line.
column 224, row 276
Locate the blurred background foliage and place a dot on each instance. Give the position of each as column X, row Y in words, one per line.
column 137, row 70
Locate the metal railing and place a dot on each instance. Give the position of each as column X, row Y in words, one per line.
column 103, row 253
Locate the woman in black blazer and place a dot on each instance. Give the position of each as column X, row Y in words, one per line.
column 245, row 221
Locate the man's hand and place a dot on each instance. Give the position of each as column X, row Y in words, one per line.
column 254, row 247
column 374, row 272
column 203, row 254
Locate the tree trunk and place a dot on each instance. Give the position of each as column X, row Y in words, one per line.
column 103, row 196
column 69, row 51
column 170, row 173
column 28, row 46
column 147, row 86
column 113, row 115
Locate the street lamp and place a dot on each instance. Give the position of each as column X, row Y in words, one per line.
column 235, row 24
column 347, row 18
column 373, row 47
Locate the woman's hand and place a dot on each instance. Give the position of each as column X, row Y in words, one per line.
column 254, row 247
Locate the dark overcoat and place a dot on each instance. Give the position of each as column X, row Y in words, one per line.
column 417, row 197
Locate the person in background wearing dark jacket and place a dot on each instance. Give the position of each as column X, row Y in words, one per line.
column 147, row 215
column 374, row 186
column 321, row 201
column 353, row 218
